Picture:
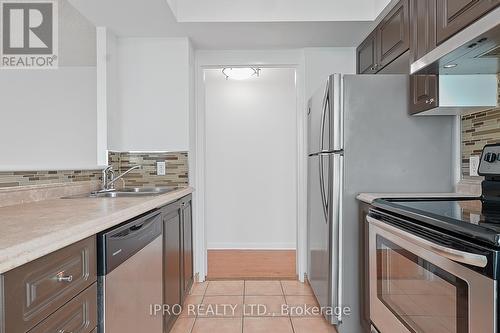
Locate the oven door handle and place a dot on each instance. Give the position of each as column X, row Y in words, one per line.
column 460, row 256
column 472, row 259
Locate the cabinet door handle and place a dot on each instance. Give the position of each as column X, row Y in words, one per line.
column 64, row 278
column 62, row 330
column 429, row 101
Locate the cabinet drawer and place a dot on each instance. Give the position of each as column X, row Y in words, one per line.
column 37, row 289
column 78, row 316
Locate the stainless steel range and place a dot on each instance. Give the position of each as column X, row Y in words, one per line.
column 434, row 265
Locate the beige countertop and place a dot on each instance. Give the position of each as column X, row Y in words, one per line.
column 370, row 197
column 30, row 231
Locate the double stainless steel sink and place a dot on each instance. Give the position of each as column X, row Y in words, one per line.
column 127, row 192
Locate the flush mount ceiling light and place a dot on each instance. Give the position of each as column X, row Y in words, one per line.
column 240, row 73
column 450, row 66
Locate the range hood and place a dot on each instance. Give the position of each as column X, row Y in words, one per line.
column 474, row 50
column 464, row 94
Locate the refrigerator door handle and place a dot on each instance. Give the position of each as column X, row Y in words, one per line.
column 323, row 116
column 327, row 152
column 324, row 198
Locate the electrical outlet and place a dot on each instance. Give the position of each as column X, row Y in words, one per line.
column 161, row 168
column 474, row 165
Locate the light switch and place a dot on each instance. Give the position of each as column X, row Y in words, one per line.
column 474, row 165
column 161, row 168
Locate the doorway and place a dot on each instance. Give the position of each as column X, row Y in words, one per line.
column 251, row 174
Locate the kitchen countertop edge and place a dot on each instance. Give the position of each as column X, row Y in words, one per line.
column 370, row 197
column 24, row 252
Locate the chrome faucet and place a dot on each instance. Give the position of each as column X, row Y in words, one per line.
column 109, row 179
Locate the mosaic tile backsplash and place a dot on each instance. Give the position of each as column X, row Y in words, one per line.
column 28, row 178
column 176, row 168
column 479, row 129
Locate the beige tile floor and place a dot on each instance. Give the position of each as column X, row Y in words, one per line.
column 243, row 298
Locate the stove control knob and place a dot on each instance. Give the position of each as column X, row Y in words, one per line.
column 490, row 157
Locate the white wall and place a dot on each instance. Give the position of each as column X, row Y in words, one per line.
column 251, row 160
column 153, row 95
column 321, row 62
column 77, row 37
column 48, row 117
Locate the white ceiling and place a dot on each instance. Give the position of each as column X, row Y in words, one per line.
column 276, row 10
column 154, row 18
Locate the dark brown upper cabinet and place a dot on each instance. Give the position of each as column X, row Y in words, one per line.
column 387, row 42
column 393, row 34
column 455, row 15
column 423, row 88
column 367, row 55
column 422, row 28
column 424, row 93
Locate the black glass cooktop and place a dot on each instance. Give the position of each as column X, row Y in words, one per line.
column 470, row 218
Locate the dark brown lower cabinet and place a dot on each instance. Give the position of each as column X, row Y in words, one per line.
column 178, row 269
column 171, row 261
column 424, row 93
column 44, row 288
column 455, row 15
column 365, row 264
column 78, row 315
column 187, row 245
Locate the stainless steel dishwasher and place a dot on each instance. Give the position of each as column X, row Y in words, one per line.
column 130, row 276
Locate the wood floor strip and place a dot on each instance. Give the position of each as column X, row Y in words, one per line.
column 251, row 264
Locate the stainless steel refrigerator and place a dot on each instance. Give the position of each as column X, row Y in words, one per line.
column 362, row 139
